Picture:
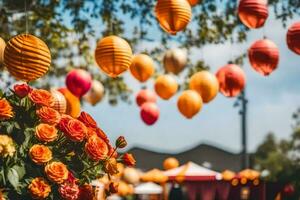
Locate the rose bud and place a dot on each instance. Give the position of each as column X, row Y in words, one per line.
column 113, row 187
column 128, row 159
column 121, row 142
column 22, row 90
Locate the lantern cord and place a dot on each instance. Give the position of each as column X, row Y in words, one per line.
column 26, row 16
column 264, row 32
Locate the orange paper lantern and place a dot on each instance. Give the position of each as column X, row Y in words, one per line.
column 193, row 2
column 73, row 103
column 60, row 103
column 293, row 38
column 165, row 86
column 189, row 103
column 142, row 67
column 175, row 60
column 27, row 57
column 264, row 56
column 173, row 15
column 113, row 55
column 170, row 163
column 253, row 13
column 2, row 47
column 232, row 80
column 95, row 94
column 206, row 84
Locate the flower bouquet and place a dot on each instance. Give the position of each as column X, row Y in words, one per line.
column 45, row 154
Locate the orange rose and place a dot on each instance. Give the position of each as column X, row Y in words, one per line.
column 128, row 159
column 64, row 122
column 22, row 90
column 75, row 130
column 87, row 120
column 102, row 135
column 5, row 110
column 39, row 188
column 48, row 115
column 96, row 148
column 57, row 172
column 41, row 97
column 40, row 154
column 45, row 133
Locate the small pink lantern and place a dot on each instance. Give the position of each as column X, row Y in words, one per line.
column 149, row 113
column 79, row 82
column 293, row 38
column 253, row 13
column 264, row 56
column 232, row 80
column 145, row 96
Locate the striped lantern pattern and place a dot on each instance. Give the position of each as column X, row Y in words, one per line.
column 264, row 56
column 173, row 15
column 293, row 38
column 2, row 47
column 27, row 57
column 60, row 103
column 253, row 13
column 113, row 55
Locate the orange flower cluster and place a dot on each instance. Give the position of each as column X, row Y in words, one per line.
column 48, row 115
column 5, row 110
column 40, row 154
column 46, row 133
column 39, row 188
column 57, row 172
column 41, row 97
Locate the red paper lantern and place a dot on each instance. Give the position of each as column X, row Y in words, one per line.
column 293, row 38
column 264, row 56
column 79, row 82
column 145, row 96
column 232, row 80
column 149, row 113
column 253, row 13
column 288, row 190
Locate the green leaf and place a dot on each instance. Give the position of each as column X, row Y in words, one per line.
column 13, row 177
column 20, row 170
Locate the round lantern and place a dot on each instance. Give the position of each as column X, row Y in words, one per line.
column 26, row 57
column 206, row 84
column 173, row 15
column 95, row 94
column 145, row 96
column 288, row 190
column 73, row 103
column 253, row 13
column 232, row 80
column 189, row 103
column 175, row 60
column 170, row 163
column 165, row 86
column 2, row 47
column 60, row 103
column 79, row 82
column 113, row 55
column 293, row 38
column 149, row 113
column 264, row 56
column 131, row 175
column 193, row 2
column 142, row 67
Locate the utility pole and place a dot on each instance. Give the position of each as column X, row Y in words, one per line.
column 243, row 113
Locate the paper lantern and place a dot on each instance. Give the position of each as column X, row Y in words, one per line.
column 2, row 47
column 145, row 96
column 206, row 84
column 228, row 175
column 79, row 82
column 264, row 56
column 149, row 113
column 288, row 190
column 189, row 103
column 60, row 103
column 175, row 60
column 293, row 38
column 73, row 103
column 232, row 80
column 26, row 57
column 131, row 175
column 173, row 15
column 142, row 67
column 193, row 2
column 165, row 86
column 170, row 163
column 95, row 94
column 113, row 55
column 253, row 13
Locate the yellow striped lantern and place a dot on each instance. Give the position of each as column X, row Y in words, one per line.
column 2, row 47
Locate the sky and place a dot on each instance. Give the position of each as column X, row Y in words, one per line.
column 272, row 100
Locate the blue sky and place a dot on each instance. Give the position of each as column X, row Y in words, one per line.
column 272, row 100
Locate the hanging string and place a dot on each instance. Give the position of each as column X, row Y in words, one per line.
column 26, row 17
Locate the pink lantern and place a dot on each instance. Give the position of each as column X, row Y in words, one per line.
column 293, row 38
column 79, row 82
column 232, row 80
column 253, row 13
column 145, row 96
column 149, row 113
column 264, row 56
